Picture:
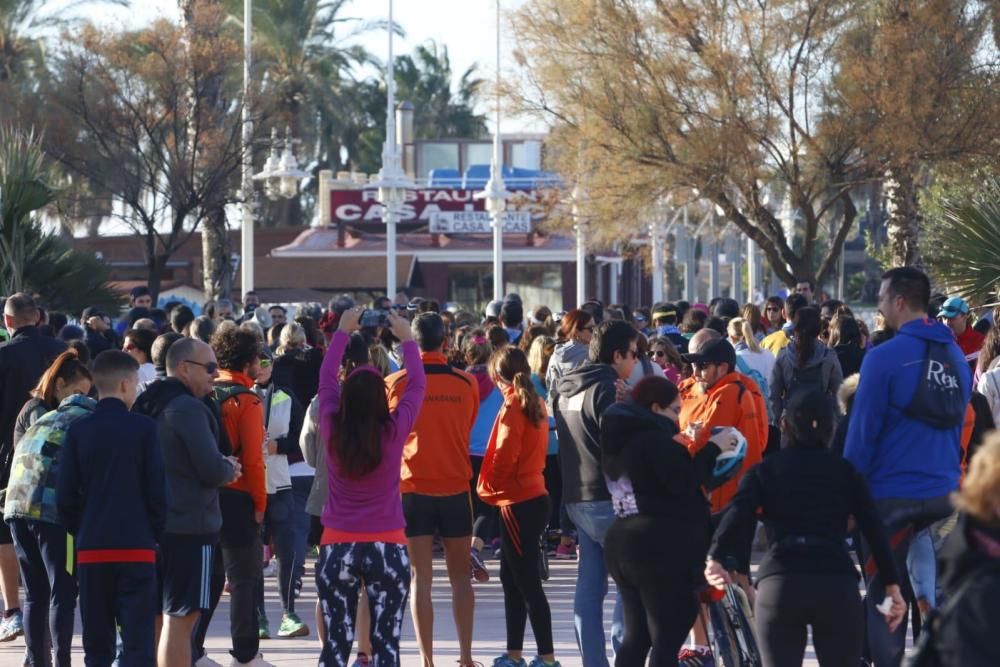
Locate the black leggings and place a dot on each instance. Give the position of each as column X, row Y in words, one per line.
column 787, row 604
column 521, row 528
column 486, row 518
column 657, row 576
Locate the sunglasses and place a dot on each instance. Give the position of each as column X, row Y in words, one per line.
column 210, row 368
column 657, row 353
column 772, row 309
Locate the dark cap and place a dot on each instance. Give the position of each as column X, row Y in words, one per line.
column 140, row 290
column 717, row 351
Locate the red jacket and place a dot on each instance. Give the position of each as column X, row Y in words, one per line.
column 515, row 456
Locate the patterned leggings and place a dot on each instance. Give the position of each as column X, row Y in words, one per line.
column 385, row 569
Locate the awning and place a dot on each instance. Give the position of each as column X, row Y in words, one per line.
column 333, row 274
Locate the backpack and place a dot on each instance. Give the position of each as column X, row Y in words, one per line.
column 805, row 380
column 939, row 399
column 926, row 653
column 222, row 393
column 743, row 367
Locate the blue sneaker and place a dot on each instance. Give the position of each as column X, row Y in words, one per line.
column 538, row 662
column 507, row 661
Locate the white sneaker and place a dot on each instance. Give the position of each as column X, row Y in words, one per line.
column 258, row 661
column 205, row 661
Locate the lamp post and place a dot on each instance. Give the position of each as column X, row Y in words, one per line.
column 581, row 249
column 495, row 192
column 392, row 182
column 281, row 173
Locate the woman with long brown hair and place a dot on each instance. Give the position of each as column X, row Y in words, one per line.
column 805, row 363
column 66, row 376
column 512, row 479
column 363, row 537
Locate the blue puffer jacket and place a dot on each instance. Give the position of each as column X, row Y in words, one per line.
column 903, row 457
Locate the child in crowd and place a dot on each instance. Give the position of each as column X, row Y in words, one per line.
column 111, row 497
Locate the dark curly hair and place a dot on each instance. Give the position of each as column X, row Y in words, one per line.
column 235, row 348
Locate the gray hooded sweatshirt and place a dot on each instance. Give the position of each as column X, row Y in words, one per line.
column 786, row 365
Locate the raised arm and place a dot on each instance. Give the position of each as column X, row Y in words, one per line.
column 329, row 375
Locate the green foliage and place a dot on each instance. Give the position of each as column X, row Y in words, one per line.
column 968, row 239
column 23, row 190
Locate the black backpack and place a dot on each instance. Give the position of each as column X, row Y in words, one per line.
column 939, row 399
column 805, row 380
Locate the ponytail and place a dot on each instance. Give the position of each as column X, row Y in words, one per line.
column 807, row 328
column 509, row 365
column 531, row 402
column 748, row 337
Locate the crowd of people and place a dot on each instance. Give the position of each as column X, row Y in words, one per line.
column 153, row 461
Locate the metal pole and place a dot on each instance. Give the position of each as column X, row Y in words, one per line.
column 390, row 137
column 753, row 275
column 247, row 225
column 581, row 253
column 656, row 258
column 737, row 266
column 714, row 289
column 498, row 286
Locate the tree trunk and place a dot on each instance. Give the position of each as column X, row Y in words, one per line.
column 156, row 263
column 217, row 270
column 902, row 217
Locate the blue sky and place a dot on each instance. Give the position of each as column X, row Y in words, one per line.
column 466, row 27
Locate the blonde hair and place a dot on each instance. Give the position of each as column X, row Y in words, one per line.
column 740, row 328
column 292, row 336
column 980, row 493
column 380, row 359
column 540, row 353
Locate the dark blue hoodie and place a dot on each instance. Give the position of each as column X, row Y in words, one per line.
column 902, row 457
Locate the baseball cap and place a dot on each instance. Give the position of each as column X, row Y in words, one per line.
column 718, row 351
column 493, row 308
column 953, row 307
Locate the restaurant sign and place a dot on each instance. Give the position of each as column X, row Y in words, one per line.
column 478, row 222
column 422, row 206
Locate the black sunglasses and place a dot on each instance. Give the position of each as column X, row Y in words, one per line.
column 657, row 353
column 210, row 368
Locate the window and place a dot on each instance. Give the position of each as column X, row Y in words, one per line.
column 438, row 156
column 538, row 284
column 477, row 153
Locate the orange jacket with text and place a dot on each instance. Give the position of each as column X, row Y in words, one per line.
column 730, row 402
column 436, row 455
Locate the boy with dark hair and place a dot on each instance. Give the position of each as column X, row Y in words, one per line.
column 111, row 496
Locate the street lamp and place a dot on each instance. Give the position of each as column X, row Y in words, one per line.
column 392, row 182
column 495, row 193
column 281, row 172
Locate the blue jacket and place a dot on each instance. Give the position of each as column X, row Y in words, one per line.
column 489, row 408
column 902, row 457
column 112, row 491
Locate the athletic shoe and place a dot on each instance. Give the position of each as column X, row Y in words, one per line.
column 12, row 627
column 695, row 657
column 362, row 661
column 263, row 628
column 479, row 571
column 566, row 552
column 538, row 662
column 271, row 569
column 205, row 661
column 257, row 661
column 292, row 626
column 507, row 661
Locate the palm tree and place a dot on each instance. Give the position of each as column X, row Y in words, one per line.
column 23, row 190
column 972, row 233
column 22, row 24
column 440, row 111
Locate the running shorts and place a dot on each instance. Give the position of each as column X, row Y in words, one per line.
column 446, row 516
column 185, row 572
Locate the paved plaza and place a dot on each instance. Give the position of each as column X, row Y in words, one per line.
column 489, row 627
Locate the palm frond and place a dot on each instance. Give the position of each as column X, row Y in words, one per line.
column 972, row 237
